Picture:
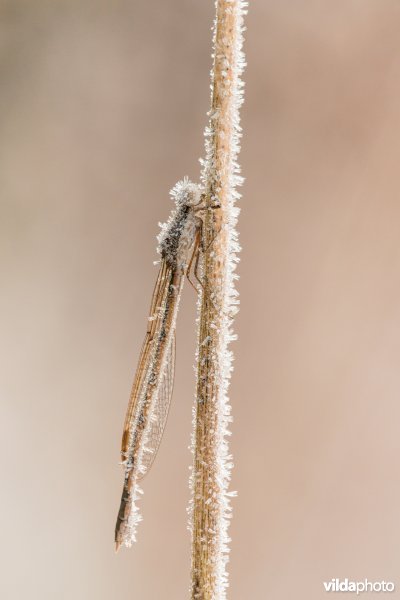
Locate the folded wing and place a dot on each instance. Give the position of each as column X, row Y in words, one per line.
column 150, row 397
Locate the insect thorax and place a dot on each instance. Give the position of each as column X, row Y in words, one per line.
column 177, row 237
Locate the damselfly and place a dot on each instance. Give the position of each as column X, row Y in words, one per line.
column 180, row 244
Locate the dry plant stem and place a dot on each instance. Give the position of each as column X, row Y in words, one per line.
column 210, row 502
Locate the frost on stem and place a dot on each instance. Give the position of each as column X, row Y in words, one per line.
column 209, row 509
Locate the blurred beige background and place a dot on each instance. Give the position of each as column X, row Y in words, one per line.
column 102, row 108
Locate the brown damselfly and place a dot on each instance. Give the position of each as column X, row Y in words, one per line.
column 180, row 247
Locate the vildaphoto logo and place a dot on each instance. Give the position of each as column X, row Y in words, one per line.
column 359, row 587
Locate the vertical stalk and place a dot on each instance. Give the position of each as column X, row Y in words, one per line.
column 210, row 505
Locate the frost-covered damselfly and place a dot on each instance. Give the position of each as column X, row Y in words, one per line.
column 180, row 245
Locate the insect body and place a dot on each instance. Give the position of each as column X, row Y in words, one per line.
column 180, row 241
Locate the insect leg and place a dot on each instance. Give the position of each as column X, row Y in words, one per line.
column 195, row 252
column 201, row 207
column 196, row 268
column 204, row 208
